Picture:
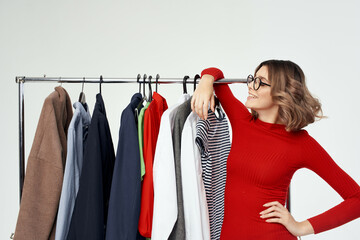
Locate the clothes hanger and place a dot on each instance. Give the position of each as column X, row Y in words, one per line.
column 82, row 98
column 140, row 105
column 184, row 84
column 101, row 80
column 150, row 90
column 156, row 82
column 144, row 95
column 138, row 80
column 197, row 76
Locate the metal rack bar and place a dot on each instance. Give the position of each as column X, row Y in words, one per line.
column 117, row 80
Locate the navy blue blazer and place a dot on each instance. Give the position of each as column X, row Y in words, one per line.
column 124, row 206
column 91, row 206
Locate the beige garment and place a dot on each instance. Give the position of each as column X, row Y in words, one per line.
column 44, row 170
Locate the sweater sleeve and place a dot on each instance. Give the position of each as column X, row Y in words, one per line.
column 232, row 106
column 319, row 161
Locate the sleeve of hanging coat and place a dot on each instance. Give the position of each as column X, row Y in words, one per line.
column 91, row 205
column 124, row 204
column 44, row 170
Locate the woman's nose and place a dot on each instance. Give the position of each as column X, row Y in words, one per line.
column 251, row 85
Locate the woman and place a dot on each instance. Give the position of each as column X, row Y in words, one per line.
column 268, row 146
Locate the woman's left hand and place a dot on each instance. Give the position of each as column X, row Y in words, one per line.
column 277, row 213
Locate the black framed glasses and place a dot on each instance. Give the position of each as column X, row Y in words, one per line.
column 257, row 82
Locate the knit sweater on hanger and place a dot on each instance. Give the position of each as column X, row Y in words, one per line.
column 261, row 163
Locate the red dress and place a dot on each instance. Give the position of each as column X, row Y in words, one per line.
column 261, row 163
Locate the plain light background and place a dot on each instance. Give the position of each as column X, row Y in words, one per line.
column 177, row 38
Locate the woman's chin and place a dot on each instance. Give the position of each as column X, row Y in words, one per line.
column 249, row 106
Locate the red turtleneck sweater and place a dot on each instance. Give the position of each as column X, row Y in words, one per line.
column 261, row 163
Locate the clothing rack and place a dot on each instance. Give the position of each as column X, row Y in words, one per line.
column 21, row 80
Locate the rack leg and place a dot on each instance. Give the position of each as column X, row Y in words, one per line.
column 21, row 137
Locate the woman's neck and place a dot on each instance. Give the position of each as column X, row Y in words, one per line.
column 268, row 119
column 269, row 116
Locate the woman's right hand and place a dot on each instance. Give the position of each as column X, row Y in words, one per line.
column 203, row 94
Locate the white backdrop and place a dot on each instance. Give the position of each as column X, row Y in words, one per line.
column 177, row 38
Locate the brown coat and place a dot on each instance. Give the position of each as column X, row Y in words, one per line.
column 45, row 170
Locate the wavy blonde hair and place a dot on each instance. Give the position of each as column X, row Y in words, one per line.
column 297, row 107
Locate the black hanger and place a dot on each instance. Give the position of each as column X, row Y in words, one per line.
column 197, row 76
column 150, row 90
column 82, row 98
column 144, row 78
column 156, row 82
column 138, row 80
column 101, row 80
column 140, row 105
column 184, row 84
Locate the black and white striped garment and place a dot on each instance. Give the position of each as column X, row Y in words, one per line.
column 213, row 140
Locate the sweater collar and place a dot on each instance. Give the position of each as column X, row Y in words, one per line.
column 271, row 126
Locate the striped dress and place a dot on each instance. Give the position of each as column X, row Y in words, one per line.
column 213, row 140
